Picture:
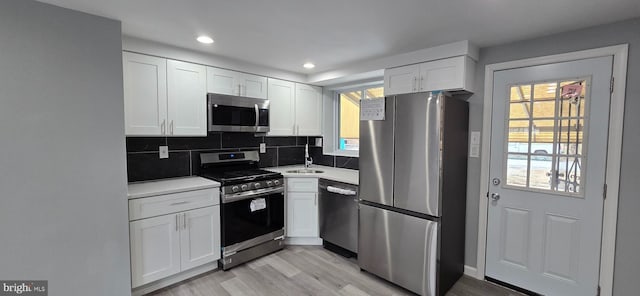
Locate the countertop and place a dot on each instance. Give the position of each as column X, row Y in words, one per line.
column 167, row 186
column 329, row 173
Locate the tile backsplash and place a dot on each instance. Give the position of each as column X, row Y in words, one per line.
column 143, row 162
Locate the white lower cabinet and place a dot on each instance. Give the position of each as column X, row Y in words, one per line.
column 155, row 249
column 302, row 211
column 178, row 238
column 200, row 237
column 302, row 214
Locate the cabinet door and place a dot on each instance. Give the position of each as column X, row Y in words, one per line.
column 447, row 74
column 281, row 96
column 187, row 99
column 155, row 249
column 302, row 214
column 223, row 81
column 308, row 110
column 254, row 86
column 200, row 237
column 145, row 94
column 401, row 80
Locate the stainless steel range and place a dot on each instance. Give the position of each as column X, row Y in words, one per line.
column 252, row 211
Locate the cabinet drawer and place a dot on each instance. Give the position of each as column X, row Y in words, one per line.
column 302, row 184
column 172, row 203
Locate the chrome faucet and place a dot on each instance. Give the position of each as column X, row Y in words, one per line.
column 308, row 161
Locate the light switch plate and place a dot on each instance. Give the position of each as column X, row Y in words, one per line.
column 164, row 152
column 475, row 138
column 263, row 148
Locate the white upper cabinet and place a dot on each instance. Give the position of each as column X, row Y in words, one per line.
column 401, row 80
column 163, row 97
column 234, row 83
column 308, row 110
column 449, row 74
column 294, row 109
column 253, row 86
column 187, row 99
column 281, row 107
column 145, row 94
column 222, row 81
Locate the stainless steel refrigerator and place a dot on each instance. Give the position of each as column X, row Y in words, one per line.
column 413, row 179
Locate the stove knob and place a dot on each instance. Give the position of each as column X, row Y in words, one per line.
column 244, row 187
column 235, row 188
column 276, row 182
column 269, row 183
column 257, row 185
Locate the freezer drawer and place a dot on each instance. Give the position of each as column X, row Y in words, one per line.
column 399, row 248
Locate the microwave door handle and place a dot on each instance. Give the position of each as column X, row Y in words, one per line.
column 257, row 114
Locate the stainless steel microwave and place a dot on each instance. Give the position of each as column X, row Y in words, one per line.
column 237, row 114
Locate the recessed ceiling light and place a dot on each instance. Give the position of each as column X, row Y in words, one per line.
column 204, row 39
column 309, row 65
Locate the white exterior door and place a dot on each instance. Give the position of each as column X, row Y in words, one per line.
column 200, row 237
column 308, row 110
column 254, row 86
column 187, row 99
column 145, row 94
column 221, row 81
column 302, row 214
column 547, row 169
column 155, row 249
column 281, row 107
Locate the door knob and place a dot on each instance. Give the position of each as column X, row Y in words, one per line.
column 495, row 196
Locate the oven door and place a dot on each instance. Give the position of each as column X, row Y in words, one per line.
column 245, row 220
column 237, row 114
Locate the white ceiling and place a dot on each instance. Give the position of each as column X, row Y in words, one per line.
column 284, row 34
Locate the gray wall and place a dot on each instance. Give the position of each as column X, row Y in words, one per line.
column 63, row 209
column 628, row 234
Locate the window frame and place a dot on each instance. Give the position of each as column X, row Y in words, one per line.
column 332, row 146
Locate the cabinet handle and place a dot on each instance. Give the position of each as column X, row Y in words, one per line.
column 179, row 203
column 171, row 125
column 239, row 89
column 421, row 82
column 177, row 224
column 415, row 81
column 184, row 220
column 162, row 126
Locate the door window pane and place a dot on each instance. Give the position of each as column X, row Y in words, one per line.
column 539, row 172
column 546, row 124
column 517, row 170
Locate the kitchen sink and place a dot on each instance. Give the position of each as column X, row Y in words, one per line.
column 305, row 171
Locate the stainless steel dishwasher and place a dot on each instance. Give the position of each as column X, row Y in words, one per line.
column 338, row 208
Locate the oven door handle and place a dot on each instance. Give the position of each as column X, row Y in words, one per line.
column 227, row 198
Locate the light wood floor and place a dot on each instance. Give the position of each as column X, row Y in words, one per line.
column 299, row 270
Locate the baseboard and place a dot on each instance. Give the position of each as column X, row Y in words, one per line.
column 176, row 278
column 303, row 241
column 470, row 271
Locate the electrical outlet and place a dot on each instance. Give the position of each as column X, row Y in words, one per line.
column 164, row 152
column 318, row 142
column 263, row 148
